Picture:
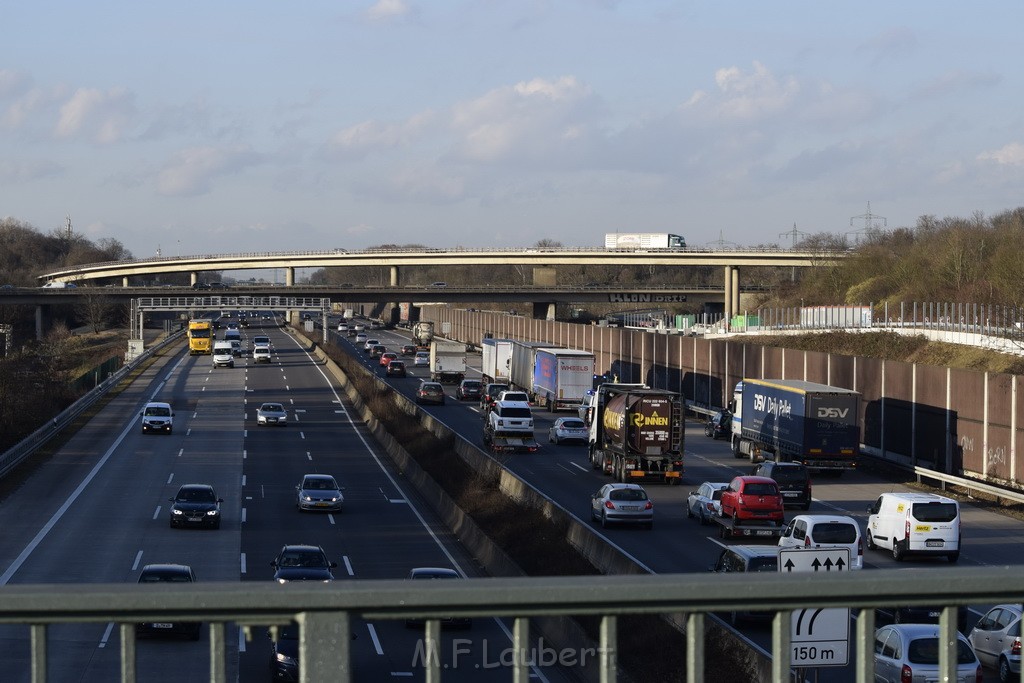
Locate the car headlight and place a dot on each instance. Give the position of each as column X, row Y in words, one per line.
column 308, row 499
column 176, row 511
column 285, row 659
column 212, row 513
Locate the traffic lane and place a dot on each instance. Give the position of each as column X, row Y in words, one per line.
column 117, row 525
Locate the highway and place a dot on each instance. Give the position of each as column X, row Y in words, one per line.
column 97, row 512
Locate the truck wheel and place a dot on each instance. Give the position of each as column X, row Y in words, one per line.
column 953, row 557
column 736, row 449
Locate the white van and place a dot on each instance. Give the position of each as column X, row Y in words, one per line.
column 825, row 531
column 261, row 354
column 223, row 354
column 157, row 417
column 919, row 523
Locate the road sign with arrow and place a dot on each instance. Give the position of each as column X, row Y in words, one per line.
column 819, row 637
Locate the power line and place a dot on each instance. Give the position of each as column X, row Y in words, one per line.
column 870, row 223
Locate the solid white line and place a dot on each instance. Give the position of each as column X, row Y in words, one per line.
column 375, row 639
column 348, row 565
column 243, row 563
column 138, row 559
column 579, row 466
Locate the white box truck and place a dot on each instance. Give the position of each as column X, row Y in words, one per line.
column 447, row 361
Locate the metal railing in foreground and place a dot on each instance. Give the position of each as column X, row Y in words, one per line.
column 325, row 612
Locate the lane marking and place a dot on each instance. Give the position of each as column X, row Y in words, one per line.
column 243, row 563
column 106, row 634
column 245, row 454
column 375, row 639
column 243, row 515
column 308, row 456
column 170, row 478
column 348, row 565
column 241, row 640
column 156, row 513
column 243, row 479
column 330, row 517
column 579, row 466
column 138, row 559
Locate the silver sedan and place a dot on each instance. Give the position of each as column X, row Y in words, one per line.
column 568, row 429
column 622, row 503
column 706, row 502
column 271, row 414
column 319, row 492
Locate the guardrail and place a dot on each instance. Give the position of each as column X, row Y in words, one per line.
column 27, row 446
column 325, row 614
column 969, row 484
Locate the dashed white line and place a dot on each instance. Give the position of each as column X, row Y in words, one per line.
column 241, row 640
column 373, row 637
column 180, row 451
column 245, row 454
column 243, row 479
column 243, row 515
column 106, row 634
column 348, row 565
column 170, row 478
column 330, row 518
column 302, row 435
column 138, row 559
column 156, row 513
column 243, row 563
column 578, row 466
column 308, row 456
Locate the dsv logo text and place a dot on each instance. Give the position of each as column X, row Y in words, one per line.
column 833, row 413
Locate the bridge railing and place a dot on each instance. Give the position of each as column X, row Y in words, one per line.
column 326, row 613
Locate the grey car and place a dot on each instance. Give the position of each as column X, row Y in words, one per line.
column 271, row 414
column 914, row 648
column 996, row 641
column 626, row 503
column 319, row 492
column 705, row 503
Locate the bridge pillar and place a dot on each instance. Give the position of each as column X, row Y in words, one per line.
column 193, row 277
column 124, row 281
column 43, row 321
column 543, row 310
column 731, row 292
column 394, row 276
column 727, row 294
column 734, row 291
column 289, row 276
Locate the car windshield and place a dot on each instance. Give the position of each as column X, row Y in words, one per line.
column 573, row 424
column 495, row 389
column 272, row 408
column 764, row 564
column 926, row 651
column 158, row 411
column 162, row 577
column 935, row 512
column 834, row 532
column 515, row 412
column 789, row 475
column 758, row 489
column 471, row 384
column 320, row 485
column 627, row 494
column 196, row 496
column 302, row 559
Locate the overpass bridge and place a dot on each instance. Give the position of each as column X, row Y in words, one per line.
column 730, row 261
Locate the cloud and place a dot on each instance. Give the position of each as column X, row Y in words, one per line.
column 368, row 136
column 896, row 43
column 744, row 96
column 12, row 172
column 96, row 115
column 531, row 119
column 956, row 82
column 388, row 10
column 192, row 171
column 1008, row 155
column 13, row 82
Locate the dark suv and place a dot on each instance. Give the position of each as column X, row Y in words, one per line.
column 719, row 426
column 793, row 478
column 490, row 394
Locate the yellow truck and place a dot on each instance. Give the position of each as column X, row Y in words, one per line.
column 200, row 336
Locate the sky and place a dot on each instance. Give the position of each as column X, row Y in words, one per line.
column 223, row 127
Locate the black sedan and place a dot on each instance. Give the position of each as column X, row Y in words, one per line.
column 302, row 563
column 168, row 573
column 195, row 505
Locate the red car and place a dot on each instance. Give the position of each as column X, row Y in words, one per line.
column 387, row 357
column 753, row 498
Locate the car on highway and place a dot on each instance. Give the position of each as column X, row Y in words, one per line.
column 168, row 573
column 996, row 641
column 261, row 354
column 747, row 559
column 396, row 368
column 195, row 505
column 719, row 426
column 514, row 395
column 705, row 502
column 369, row 344
column 753, row 498
column 342, row 327
column 360, row 338
column 622, row 503
column 302, row 563
column 261, row 340
column 409, row 349
column 387, row 357
column 469, row 390
column 421, row 359
column 430, row 392
column 377, row 350
column 157, row 417
column 284, row 652
column 910, row 652
column 793, row 478
column 568, row 430
column 319, row 492
column 442, row 573
column 200, row 285
column 55, row 284
column 490, row 394
column 271, row 414
column 825, row 531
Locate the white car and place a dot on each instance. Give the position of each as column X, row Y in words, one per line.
column 369, row 344
column 261, row 354
column 567, row 430
column 422, row 359
column 825, row 531
column 706, row 502
column 272, row 414
column 910, row 652
column 360, row 338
